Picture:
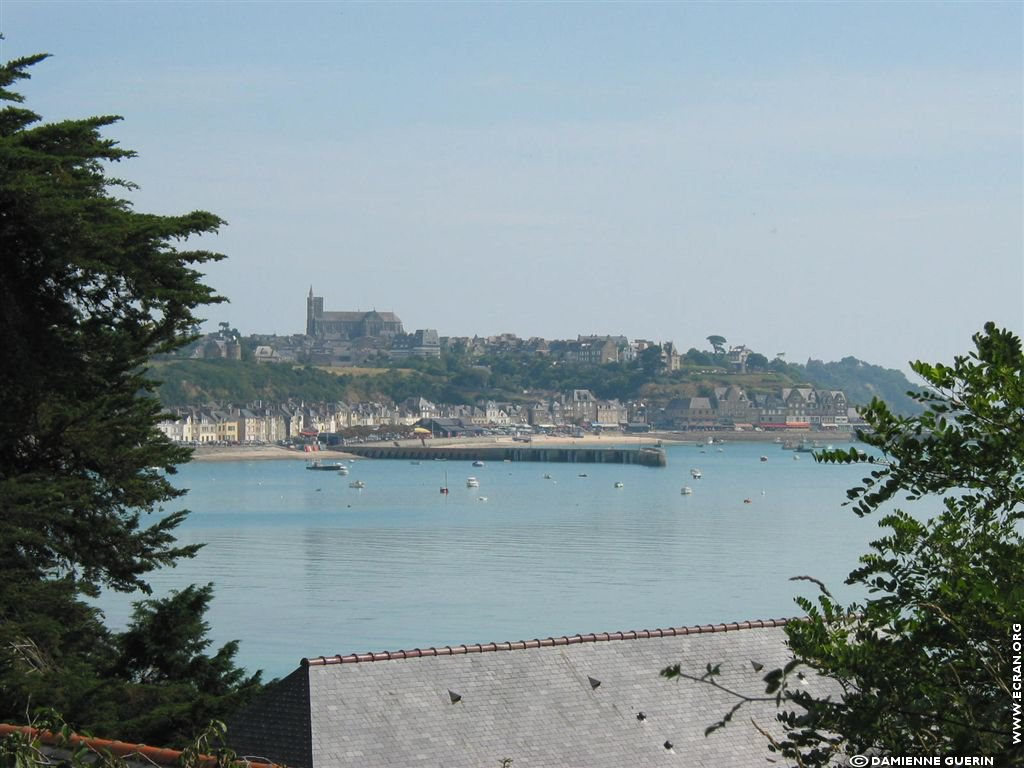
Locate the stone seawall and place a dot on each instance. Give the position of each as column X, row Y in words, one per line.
column 648, row 457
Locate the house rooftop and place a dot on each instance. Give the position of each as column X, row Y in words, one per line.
column 594, row 700
column 550, row 642
column 59, row 747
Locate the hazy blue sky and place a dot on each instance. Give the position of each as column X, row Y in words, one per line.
column 819, row 179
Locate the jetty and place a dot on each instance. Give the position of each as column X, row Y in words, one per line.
column 644, row 456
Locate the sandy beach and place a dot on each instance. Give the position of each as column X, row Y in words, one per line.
column 275, row 452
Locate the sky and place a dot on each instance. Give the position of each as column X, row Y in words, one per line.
column 813, row 179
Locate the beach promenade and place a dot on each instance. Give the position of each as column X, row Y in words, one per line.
column 607, row 440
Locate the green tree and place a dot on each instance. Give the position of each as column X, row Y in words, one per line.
column 650, row 360
column 717, row 343
column 757, row 362
column 923, row 663
column 89, row 291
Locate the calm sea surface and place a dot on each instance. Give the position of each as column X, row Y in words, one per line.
column 304, row 565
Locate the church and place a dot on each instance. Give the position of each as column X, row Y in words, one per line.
column 348, row 325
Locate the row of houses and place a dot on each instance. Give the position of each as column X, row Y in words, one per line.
column 268, row 423
column 367, row 350
column 727, row 408
column 733, row 408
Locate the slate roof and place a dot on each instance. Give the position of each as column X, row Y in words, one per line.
column 592, row 701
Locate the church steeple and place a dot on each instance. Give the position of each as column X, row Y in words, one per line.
column 314, row 308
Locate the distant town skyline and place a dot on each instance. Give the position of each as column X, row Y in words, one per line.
column 818, row 179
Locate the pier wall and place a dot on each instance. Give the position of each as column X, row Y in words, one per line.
column 648, row 457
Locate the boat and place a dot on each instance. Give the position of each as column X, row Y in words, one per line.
column 357, row 484
column 331, row 466
column 618, row 485
column 342, row 469
column 472, row 482
column 478, row 463
column 444, row 488
column 764, row 458
column 696, row 474
column 686, row 490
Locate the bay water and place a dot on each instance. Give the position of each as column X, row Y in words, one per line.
column 305, row 565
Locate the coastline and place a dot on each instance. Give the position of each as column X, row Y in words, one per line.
column 279, row 453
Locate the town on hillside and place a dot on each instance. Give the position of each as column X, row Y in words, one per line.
column 357, row 338
column 346, row 338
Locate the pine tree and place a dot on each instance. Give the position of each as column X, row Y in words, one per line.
column 89, row 290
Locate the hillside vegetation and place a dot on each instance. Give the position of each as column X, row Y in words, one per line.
column 511, row 378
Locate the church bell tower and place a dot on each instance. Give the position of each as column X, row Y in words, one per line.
column 314, row 311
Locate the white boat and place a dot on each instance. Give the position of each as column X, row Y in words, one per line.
column 342, row 469
column 357, row 484
column 478, row 463
column 686, row 490
column 618, row 485
column 696, row 474
column 472, row 482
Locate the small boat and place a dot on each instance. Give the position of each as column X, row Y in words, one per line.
column 583, row 474
column 619, row 485
column 795, row 457
column 478, row 463
column 747, row 501
column 328, row 467
column 764, row 458
column 342, row 469
column 696, row 474
column 357, row 484
column 472, row 482
column 547, row 476
column 686, row 490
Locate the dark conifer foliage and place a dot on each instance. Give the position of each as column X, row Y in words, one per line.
column 89, row 291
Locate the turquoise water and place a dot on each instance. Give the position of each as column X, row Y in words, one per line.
column 304, row 565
